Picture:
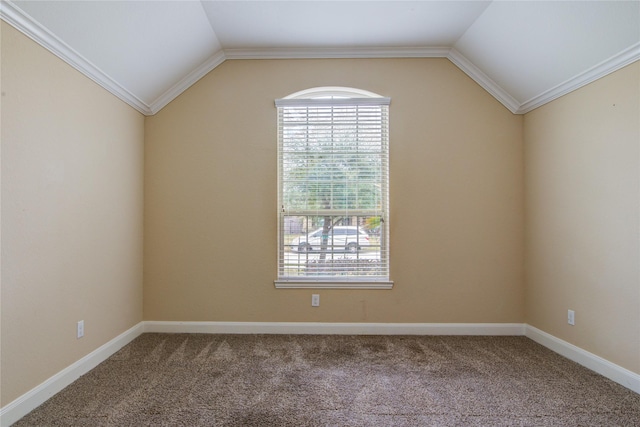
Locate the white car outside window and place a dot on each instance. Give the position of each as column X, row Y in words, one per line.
column 340, row 238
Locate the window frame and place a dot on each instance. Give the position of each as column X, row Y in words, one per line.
column 335, row 96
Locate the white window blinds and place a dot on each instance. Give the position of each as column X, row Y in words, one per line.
column 333, row 192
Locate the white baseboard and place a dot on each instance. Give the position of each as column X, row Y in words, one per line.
column 336, row 328
column 616, row 373
column 35, row 397
column 38, row 395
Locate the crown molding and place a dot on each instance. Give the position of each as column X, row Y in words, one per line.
column 608, row 66
column 174, row 91
column 14, row 16
column 17, row 18
column 324, row 53
column 483, row 80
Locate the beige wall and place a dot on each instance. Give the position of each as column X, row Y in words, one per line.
column 72, row 162
column 456, row 198
column 583, row 217
column 72, row 207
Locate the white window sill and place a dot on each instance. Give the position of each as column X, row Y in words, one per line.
column 331, row 284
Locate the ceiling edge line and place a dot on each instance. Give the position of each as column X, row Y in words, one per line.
column 185, row 83
column 213, row 30
column 484, row 81
column 331, row 53
column 17, row 18
column 608, row 66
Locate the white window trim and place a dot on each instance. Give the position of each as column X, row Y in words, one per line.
column 331, row 96
column 332, row 91
column 331, row 284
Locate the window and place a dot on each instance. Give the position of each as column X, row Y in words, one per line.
column 333, row 189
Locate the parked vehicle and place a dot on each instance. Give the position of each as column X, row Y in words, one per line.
column 341, row 237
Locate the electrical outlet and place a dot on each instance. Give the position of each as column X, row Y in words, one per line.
column 80, row 329
column 571, row 317
column 315, row 300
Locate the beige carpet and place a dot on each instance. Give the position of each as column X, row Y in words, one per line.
column 297, row 380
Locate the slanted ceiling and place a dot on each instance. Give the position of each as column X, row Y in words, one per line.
column 525, row 53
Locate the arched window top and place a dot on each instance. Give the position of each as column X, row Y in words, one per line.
column 332, row 95
column 332, row 92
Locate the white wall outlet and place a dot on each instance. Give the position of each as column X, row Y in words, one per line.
column 80, row 329
column 571, row 317
column 315, row 300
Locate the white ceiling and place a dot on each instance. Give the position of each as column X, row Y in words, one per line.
column 303, row 24
column 525, row 53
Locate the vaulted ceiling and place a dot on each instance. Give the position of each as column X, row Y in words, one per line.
column 525, row 53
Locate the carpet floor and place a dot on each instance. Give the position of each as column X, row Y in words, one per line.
column 332, row 380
